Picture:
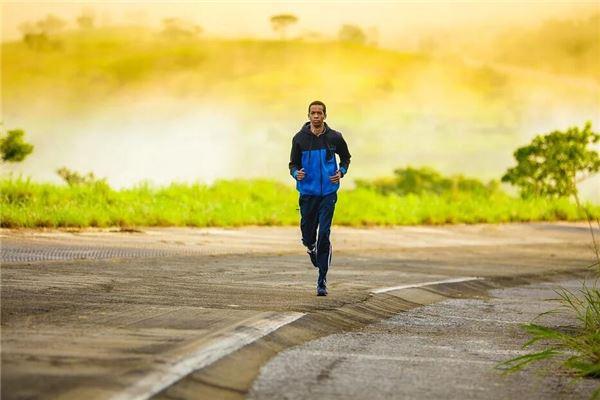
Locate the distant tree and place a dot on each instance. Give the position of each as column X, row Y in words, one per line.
column 33, row 39
column 73, row 178
column 12, row 146
column 86, row 19
column 281, row 22
column 51, row 25
column 553, row 164
column 422, row 180
column 352, row 34
column 177, row 28
column 37, row 36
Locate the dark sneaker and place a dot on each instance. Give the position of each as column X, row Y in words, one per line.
column 312, row 253
column 322, row 291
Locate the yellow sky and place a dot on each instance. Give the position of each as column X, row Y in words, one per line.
column 397, row 22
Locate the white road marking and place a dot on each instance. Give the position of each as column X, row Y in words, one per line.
column 227, row 343
column 416, row 285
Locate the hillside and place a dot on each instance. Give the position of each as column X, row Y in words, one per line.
column 154, row 103
column 107, row 61
column 561, row 46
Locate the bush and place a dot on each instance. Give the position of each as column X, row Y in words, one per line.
column 553, row 164
column 13, row 148
column 426, row 180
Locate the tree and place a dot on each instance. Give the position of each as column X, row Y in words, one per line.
column 352, row 34
column 553, row 164
column 37, row 36
column 281, row 22
column 50, row 25
column 13, row 148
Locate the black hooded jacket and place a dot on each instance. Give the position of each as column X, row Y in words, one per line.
column 316, row 154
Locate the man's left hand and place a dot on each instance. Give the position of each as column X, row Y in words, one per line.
column 336, row 178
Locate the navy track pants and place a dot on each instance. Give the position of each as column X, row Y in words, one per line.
column 317, row 212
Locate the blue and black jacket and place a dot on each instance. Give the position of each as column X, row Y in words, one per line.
column 316, row 154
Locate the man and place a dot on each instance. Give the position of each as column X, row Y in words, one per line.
column 314, row 166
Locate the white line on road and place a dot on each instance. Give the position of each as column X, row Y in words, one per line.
column 229, row 342
column 416, row 285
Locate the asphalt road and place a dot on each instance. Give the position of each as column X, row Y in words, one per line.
column 446, row 350
column 196, row 313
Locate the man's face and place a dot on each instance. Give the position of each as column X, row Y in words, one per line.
column 316, row 115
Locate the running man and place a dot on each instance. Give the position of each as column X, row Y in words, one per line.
column 315, row 168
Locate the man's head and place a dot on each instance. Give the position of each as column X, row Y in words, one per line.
column 317, row 112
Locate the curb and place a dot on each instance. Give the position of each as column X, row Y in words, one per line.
column 232, row 376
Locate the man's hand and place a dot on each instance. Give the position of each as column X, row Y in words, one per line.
column 300, row 174
column 336, row 178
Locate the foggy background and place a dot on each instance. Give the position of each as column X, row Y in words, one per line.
column 201, row 91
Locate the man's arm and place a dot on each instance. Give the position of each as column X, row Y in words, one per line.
column 342, row 150
column 295, row 159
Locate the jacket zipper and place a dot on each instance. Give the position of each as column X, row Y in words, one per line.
column 321, row 167
column 321, row 170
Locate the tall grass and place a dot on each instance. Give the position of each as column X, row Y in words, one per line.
column 578, row 348
column 24, row 203
column 583, row 343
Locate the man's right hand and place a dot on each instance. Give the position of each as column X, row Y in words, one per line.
column 300, row 174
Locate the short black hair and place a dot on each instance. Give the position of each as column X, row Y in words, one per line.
column 318, row 103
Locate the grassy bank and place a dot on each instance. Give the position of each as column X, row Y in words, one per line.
column 24, row 203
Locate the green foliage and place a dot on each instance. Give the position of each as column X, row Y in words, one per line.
column 13, row 148
column 427, row 180
column 553, row 164
column 579, row 348
column 549, row 166
column 254, row 202
column 75, row 178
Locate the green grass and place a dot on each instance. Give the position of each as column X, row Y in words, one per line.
column 576, row 348
column 24, row 203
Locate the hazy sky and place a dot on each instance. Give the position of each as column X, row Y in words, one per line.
column 134, row 125
column 398, row 22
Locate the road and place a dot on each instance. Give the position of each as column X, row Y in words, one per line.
column 196, row 313
column 458, row 341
